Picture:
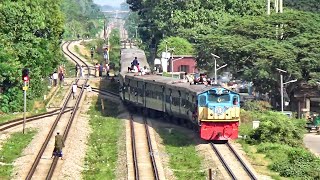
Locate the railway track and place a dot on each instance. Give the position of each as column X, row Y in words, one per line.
column 16, row 122
column 143, row 160
column 19, row 121
column 41, row 166
column 233, row 162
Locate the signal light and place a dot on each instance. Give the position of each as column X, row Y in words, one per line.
column 25, row 74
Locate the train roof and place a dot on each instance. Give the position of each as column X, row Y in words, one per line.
column 175, row 83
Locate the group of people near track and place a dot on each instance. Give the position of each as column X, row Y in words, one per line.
column 135, row 68
column 57, row 75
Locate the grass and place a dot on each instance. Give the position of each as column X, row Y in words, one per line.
column 102, row 155
column 59, row 97
column 38, row 108
column 258, row 160
column 183, row 158
column 12, row 149
column 70, row 69
column 77, row 49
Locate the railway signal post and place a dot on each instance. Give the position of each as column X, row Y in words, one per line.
column 25, row 78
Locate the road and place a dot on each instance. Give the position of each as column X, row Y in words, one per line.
column 312, row 141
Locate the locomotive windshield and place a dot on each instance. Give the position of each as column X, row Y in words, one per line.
column 214, row 98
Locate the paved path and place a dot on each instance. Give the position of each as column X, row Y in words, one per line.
column 312, row 141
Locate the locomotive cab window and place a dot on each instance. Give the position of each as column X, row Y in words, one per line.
column 235, row 100
column 214, row 98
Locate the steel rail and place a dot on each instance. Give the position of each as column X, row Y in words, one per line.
column 33, row 116
column 78, row 58
column 30, row 119
column 44, row 145
column 153, row 161
column 224, row 163
column 66, row 132
column 134, row 152
column 245, row 167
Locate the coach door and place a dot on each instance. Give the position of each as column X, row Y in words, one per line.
column 169, row 101
column 144, row 88
column 163, row 99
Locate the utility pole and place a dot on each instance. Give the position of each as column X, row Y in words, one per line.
column 215, row 67
column 172, row 62
column 278, row 6
column 268, row 7
column 136, row 32
column 281, row 71
column 104, row 31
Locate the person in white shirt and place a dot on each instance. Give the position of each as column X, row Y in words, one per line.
column 135, row 69
column 74, row 90
column 81, row 71
column 55, row 78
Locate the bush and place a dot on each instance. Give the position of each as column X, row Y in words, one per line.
column 277, row 128
column 289, row 161
column 257, row 106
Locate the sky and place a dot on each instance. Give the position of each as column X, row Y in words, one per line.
column 109, row 2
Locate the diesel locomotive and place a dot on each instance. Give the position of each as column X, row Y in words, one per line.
column 213, row 110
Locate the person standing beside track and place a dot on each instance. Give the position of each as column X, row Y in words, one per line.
column 55, row 78
column 76, row 68
column 74, row 90
column 58, row 145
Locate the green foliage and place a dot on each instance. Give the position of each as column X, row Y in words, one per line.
column 304, row 5
column 277, row 128
column 102, row 155
column 131, row 24
column 189, row 18
column 83, row 17
column 181, row 46
column 253, row 48
column 12, row 149
column 295, row 162
column 114, row 52
column 256, row 106
column 29, row 34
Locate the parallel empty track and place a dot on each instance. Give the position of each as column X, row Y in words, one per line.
column 144, row 164
column 232, row 163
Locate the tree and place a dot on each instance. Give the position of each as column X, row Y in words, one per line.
column 181, row 46
column 253, row 47
column 30, row 35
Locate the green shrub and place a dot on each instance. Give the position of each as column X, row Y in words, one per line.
column 277, row 128
column 257, row 106
column 295, row 162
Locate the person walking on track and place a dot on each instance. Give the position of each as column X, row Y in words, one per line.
column 58, row 145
